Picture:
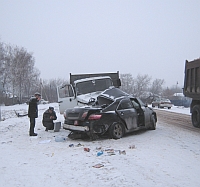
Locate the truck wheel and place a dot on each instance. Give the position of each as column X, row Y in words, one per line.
column 116, row 130
column 196, row 116
column 153, row 123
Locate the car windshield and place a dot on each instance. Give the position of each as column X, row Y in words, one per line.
column 93, row 86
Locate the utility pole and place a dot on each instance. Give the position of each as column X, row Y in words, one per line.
column 176, row 87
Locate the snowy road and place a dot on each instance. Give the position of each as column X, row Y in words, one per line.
column 176, row 119
column 168, row 156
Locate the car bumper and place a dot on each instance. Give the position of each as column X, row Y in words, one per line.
column 76, row 128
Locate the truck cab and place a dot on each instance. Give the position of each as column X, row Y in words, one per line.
column 82, row 91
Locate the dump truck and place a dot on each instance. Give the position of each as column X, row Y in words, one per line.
column 85, row 88
column 192, row 89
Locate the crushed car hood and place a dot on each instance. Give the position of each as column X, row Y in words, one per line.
column 106, row 97
column 85, row 98
column 109, row 95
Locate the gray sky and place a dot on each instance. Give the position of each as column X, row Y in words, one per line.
column 152, row 37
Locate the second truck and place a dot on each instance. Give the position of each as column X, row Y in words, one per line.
column 192, row 89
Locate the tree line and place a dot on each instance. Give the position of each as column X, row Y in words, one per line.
column 144, row 87
column 20, row 79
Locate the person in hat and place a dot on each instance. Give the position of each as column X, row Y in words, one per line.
column 33, row 112
column 48, row 117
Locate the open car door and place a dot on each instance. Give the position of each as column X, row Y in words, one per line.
column 66, row 97
column 128, row 113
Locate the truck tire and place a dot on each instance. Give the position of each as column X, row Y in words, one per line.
column 116, row 130
column 196, row 116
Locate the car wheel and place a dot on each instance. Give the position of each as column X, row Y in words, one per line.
column 116, row 130
column 158, row 106
column 169, row 107
column 196, row 116
column 153, row 123
column 153, row 106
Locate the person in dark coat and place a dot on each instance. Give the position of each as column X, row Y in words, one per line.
column 48, row 117
column 33, row 112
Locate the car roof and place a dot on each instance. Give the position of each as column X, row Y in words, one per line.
column 113, row 93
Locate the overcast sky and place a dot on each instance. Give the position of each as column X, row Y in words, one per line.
column 152, row 37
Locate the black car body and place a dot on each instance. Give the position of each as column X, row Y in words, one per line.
column 114, row 113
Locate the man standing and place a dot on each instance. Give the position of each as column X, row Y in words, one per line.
column 48, row 117
column 33, row 112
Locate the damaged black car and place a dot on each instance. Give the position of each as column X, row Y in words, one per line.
column 115, row 113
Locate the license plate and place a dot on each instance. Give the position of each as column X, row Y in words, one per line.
column 75, row 122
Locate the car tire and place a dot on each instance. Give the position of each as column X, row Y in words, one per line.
column 169, row 107
column 153, row 106
column 153, row 123
column 116, row 130
column 158, row 106
column 196, row 116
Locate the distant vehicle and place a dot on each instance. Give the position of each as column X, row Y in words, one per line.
column 178, row 99
column 42, row 101
column 192, row 89
column 162, row 103
column 116, row 114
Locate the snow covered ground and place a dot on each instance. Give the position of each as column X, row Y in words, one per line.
column 168, row 156
column 176, row 109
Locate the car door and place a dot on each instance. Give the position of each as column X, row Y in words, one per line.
column 66, row 97
column 145, row 112
column 127, row 113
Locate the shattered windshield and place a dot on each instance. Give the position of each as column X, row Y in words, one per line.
column 93, row 86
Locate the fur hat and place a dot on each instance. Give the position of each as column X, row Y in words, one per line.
column 37, row 93
column 51, row 108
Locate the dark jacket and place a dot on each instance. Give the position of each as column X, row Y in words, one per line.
column 46, row 117
column 33, row 108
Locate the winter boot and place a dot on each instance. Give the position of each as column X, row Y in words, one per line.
column 33, row 134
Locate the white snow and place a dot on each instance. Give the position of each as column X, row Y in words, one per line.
column 168, row 156
column 177, row 109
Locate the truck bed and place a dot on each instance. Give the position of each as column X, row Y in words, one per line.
column 192, row 79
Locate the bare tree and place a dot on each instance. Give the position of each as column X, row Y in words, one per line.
column 1, row 59
column 127, row 83
column 5, row 65
column 20, row 73
column 156, row 87
column 2, row 69
column 141, row 84
column 49, row 88
column 32, row 82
